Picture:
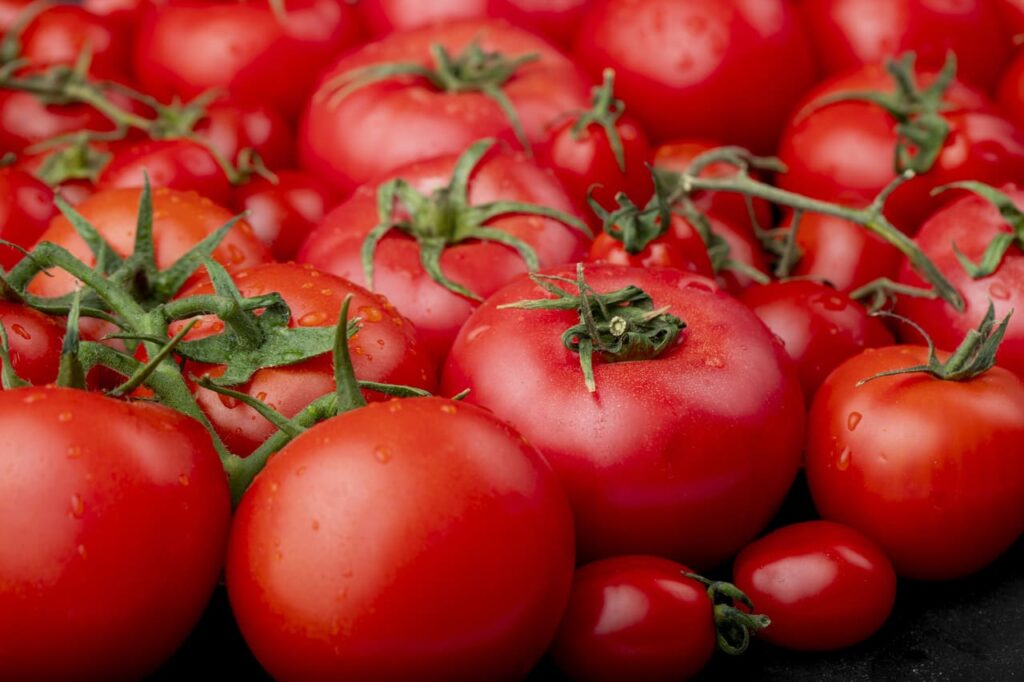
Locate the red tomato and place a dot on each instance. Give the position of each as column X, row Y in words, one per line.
column 556, row 20
column 58, row 34
column 282, row 214
column 701, row 67
column 635, row 618
column 1012, row 12
column 970, row 224
column 180, row 221
column 851, row 33
column 845, row 151
column 231, row 127
column 927, row 468
column 26, row 208
column 642, row 458
column 824, row 586
column 35, row 342
column 178, row 164
column 10, row 10
column 744, row 249
column 385, row 350
column 413, row 120
column 672, row 250
column 369, row 521
column 112, row 513
column 819, row 326
column 185, row 47
column 482, row 266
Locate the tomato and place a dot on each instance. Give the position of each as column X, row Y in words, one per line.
column 482, row 266
column 1012, row 12
column 851, row 33
column 636, row 618
column 231, row 127
column 377, row 519
column 58, row 34
column 970, row 224
column 927, row 468
column 824, row 586
column 413, row 120
column 681, row 248
column 385, row 350
column 34, row 340
column 185, row 47
column 642, row 458
column 10, row 10
column 180, row 221
column 26, row 207
column 282, row 214
column 845, row 151
column 556, row 20
column 819, row 326
column 179, row 164
column 705, row 68
column 112, row 513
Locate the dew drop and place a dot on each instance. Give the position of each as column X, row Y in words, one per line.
column 235, row 255
column 448, row 409
column 394, row 406
column 34, row 398
column 184, row 480
column 843, row 462
column 370, row 314
column 82, row 552
column 21, row 331
column 278, row 555
column 833, row 302
column 306, row 285
column 382, row 454
column 300, row 471
column 316, row 524
column 64, row 417
column 853, row 420
column 475, row 333
column 217, row 327
column 261, row 396
column 326, row 292
column 714, row 361
column 380, row 343
column 314, row 319
column 228, row 401
column 274, row 487
column 77, row 506
column 74, row 451
column 998, row 291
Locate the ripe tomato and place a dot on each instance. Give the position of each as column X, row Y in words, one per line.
column 282, row 214
column 231, row 127
column 26, row 208
column 635, row 618
column 925, row 467
column 701, row 67
column 10, row 10
column 186, row 47
column 58, row 34
column 180, row 221
column 1012, row 12
column 851, row 33
column 819, row 326
column 35, row 342
column 642, row 457
column 111, row 513
column 385, row 350
column 824, row 586
column 681, row 248
column 556, row 20
column 970, row 224
column 413, row 120
column 179, row 164
column 368, row 522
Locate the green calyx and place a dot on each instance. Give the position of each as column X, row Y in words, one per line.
column 445, row 217
column 975, row 355
column 1001, row 243
column 734, row 626
column 472, row 70
column 921, row 128
column 621, row 325
column 75, row 158
column 605, row 111
column 635, row 227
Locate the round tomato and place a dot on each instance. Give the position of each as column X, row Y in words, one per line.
column 231, row 127
column 928, row 468
column 701, row 67
column 373, row 521
column 114, row 517
column 642, row 456
column 58, row 34
column 26, row 208
column 34, row 341
column 824, row 586
column 179, row 164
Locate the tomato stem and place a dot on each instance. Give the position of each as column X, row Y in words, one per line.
column 734, row 626
column 605, row 111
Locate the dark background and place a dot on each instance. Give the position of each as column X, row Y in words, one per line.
column 969, row 629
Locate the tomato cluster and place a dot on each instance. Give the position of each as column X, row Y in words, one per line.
column 455, row 335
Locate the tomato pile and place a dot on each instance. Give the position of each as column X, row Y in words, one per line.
column 454, row 336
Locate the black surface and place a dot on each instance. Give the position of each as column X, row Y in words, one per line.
column 970, row 629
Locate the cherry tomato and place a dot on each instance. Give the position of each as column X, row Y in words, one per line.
column 680, row 248
column 35, row 342
column 927, row 468
column 824, row 586
column 231, row 127
column 26, row 208
column 371, row 520
column 179, row 164
column 115, row 517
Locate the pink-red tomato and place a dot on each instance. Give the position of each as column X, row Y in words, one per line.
column 26, row 208
column 179, row 164
column 34, row 342
column 58, row 34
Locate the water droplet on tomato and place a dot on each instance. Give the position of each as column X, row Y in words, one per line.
column 273, row 487
column 394, row 406
column 699, row 285
column 228, row 401
column 235, row 255
column 34, row 398
column 306, row 285
column 357, row 350
column 474, row 334
column 81, row 552
column 999, row 292
column 278, row 556
column 380, row 343
column 833, row 302
column 382, row 454
column 64, row 417
column 74, row 451
column 316, row 524
column 853, row 420
column 261, row 396
column 370, row 314
column 21, row 331
column 77, row 506
column 300, row 471
column 714, row 361
column 184, row 480
column 217, row 327
column 314, row 319
column 448, row 409
column 843, row 462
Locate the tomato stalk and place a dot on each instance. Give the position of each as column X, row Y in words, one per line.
column 605, row 111
column 733, row 626
column 1001, row 243
column 635, row 227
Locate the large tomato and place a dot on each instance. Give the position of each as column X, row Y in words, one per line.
column 114, row 518
column 701, row 67
column 415, row 539
column 179, row 164
column 928, row 468
column 385, row 124
column 684, row 455
column 26, row 208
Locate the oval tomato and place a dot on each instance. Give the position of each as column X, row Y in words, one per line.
column 372, row 519
column 34, row 341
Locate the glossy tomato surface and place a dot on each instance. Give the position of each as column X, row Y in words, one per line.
column 26, row 208
column 34, row 341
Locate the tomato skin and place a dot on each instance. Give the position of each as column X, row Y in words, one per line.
column 181, row 220
column 701, row 67
column 177, row 164
column 483, row 267
column 92, row 519
column 435, row 508
column 556, row 20
column 10, row 10
column 824, row 586
column 851, row 33
column 970, row 223
column 34, row 340
column 819, row 326
column 231, row 127
column 636, row 618
column 661, row 492
column 186, row 47
column 58, row 34
column 412, row 121
column 26, row 208
column 283, row 214
column 680, row 248
column 929, row 468
column 385, row 350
